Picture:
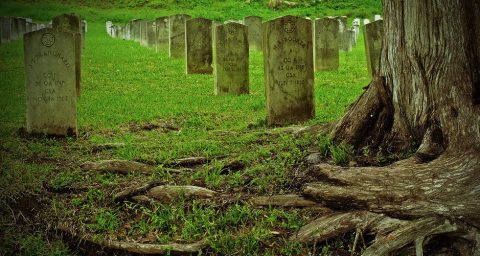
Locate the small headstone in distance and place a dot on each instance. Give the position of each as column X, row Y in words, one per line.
column 254, row 24
column 326, row 44
column 162, row 34
column 151, row 34
column 288, row 63
column 373, row 37
column 71, row 22
column 198, row 46
column 50, row 81
column 231, row 59
column 176, row 35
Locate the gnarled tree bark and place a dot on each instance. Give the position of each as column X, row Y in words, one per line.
column 426, row 96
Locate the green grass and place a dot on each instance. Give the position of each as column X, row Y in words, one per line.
column 126, row 86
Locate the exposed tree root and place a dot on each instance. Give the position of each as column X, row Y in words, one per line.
column 190, row 161
column 447, row 186
column 172, row 248
column 167, row 193
column 367, row 120
column 117, row 166
column 414, row 232
column 338, row 223
column 290, row 200
column 122, row 195
column 440, row 195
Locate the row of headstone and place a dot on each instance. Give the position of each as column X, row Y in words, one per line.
column 289, row 44
column 13, row 28
column 52, row 75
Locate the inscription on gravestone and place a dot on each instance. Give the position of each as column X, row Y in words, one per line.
column 198, row 40
column 231, row 59
column 50, row 81
column 176, row 35
column 288, row 63
column 326, row 44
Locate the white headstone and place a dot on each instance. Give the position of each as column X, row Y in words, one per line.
column 50, row 82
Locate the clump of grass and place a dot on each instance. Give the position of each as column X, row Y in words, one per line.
column 106, row 220
column 341, row 154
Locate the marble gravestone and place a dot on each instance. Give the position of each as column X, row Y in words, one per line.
column 151, row 34
column 198, row 46
column 231, row 59
column 136, row 30
column 22, row 27
column 50, row 83
column 144, row 33
column 288, row 64
column 108, row 25
column 5, row 27
column 161, row 34
column 373, row 37
column 356, row 27
column 326, row 44
column 342, row 31
column 366, row 21
column 377, row 17
column 71, row 22
column 14, row 29
column 254, row 24
column 176, row 35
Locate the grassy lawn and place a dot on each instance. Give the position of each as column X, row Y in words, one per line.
column 143, row 99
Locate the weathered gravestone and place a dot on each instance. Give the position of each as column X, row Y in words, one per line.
column 356, row 27
column 136, row 30
column 28, row 26
column 377, row 17
column 6, row 27
column 351, row 36
column 14, row 29
column 288, row 63
column 162, row 34
column 198, row 46
column 373, row 37
column 151, row 34
column 50, row 84
column 22, row 27
column 108, row 25
column 342, row 30
column 71, row 22
column 130, row 30
column 254, row 24
column 83, row 31
column 326, row 44
column 144, row 33
column 176, row 35
column 231, row 59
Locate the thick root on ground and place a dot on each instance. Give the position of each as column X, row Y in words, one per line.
column 132, row 247
column 440, row 196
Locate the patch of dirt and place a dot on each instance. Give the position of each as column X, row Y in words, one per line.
column 161, row 125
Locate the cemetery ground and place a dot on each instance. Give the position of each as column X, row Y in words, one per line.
column 138, row 105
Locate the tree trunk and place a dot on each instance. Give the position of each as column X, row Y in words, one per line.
column 426, row 97
column 430, row 67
